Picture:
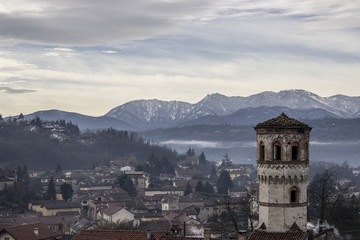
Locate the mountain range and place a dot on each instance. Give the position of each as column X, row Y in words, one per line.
column 214, row 109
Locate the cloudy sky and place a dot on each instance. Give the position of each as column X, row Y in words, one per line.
column 90, row 56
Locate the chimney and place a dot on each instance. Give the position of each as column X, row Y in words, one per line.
column 36, row 232
column 184, row 229
column 242, row 235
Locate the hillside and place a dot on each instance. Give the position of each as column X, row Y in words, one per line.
column 44, row 145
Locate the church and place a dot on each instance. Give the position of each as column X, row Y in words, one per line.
column 283, row 169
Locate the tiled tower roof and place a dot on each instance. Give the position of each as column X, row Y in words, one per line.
column 282, row 121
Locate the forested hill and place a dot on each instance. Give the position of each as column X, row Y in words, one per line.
column 44, row 145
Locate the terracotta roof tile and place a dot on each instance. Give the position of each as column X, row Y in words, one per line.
column 262, row 235
column 115, row 235
column 282, row 121
column 26, row 231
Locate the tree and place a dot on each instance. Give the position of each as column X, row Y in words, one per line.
column 66, row 191
column 22, row 174
column 324, row 195
column 213, row 173
column 51, row 192
column 1, row 118
column 224, row 183
column 125, row 182
column 202, row 159
column 37, row 122
column 208, row 188
column 21, row 116
column 58, row 169
column 199, row 187
column 190, row 152
column 249, row 206
column 226, row 161
column 188, row 189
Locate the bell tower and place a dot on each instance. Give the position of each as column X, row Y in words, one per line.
column 283, row 167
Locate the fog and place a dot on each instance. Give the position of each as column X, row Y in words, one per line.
column 245, row 152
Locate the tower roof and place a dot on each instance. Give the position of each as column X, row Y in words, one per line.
column 282, row 121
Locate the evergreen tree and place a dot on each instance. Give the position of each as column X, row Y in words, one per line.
column 127, row 184
column 208, row 188
column 213, row 173
column 36, row 122
column 66, row 191
column 51, row 192
column 190, row 152
column 21, row 116
column 22, row 174
column 188, row 189
column 58, row 169
column 202, row 159
column 226, row 161
column 1, row 118
column 224, row 183
column 199, row 187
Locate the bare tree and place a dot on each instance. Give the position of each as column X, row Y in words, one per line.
column 249, row 206
column 324, row 195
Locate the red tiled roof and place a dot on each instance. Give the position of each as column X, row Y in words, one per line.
column 126, row 235
column 115, row 235
column 169, row 237
column 26, row 231
column 262, row 235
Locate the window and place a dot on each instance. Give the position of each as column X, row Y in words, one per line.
column 262, row 151
column 294, row 195
column 295, row 152
column 277, row 151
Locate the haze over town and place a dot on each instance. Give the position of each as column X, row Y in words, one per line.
column 91, row 56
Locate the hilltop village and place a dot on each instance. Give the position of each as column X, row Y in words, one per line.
column 190, row 199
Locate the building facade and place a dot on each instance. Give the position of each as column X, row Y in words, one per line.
column 283, row 166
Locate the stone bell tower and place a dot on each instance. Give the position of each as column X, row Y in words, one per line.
column 283, row 166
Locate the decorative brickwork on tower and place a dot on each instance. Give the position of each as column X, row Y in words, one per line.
column 283, row 166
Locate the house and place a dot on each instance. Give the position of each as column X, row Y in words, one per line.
column 34, row 231
column 170, row 202
column 139, row 178
column 191, row 200
column 164, row 190
column 53, row 207
column 57, row 224
column 7, row 178
column 115, row 212
column 153, row 202
column 356, row 171
column 149, row 217
column 239, row 170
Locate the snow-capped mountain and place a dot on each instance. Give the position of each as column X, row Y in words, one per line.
column 213, row 109
column 155, row 113
column 151, row 113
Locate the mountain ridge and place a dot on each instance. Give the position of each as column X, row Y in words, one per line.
column 154, row 113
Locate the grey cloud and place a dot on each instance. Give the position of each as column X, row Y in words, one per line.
column 96, row 23
column 15, row 91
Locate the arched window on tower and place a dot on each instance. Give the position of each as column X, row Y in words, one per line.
column 277, row 151
column 295, row 152
column 262, row 152
column 294, row 195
